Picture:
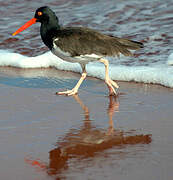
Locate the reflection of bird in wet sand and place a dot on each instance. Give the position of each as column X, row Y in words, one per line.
column 87, row 141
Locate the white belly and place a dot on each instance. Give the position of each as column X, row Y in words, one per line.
column 82, row 59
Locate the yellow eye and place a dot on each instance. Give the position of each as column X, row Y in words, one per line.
column 40, row 13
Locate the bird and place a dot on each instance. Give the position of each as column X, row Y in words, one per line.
column 80, row 45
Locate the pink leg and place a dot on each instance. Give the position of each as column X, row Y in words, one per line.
column 75, row 89
column 110, row 83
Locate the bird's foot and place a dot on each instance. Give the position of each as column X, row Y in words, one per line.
column 111, row 84
column 114, row 83
column 110, row 131
column 67, row 93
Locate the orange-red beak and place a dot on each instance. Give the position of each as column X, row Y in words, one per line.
column 26, row 25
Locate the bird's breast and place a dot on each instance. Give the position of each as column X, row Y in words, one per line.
column 66, row 56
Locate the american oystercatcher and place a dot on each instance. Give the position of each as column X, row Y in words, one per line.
column 80, row 45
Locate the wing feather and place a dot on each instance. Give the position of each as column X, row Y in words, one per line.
column 80, row 41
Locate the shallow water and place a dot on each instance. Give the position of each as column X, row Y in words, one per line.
column 90, row 136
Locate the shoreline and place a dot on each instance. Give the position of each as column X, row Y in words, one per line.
column 53, row 72
column 36, row 123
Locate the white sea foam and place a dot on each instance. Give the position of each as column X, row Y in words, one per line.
column 158, row 74
column 170, row 59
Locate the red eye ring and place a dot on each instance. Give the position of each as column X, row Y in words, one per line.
column 40, row 13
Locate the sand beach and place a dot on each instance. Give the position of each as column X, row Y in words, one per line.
column 89, row 136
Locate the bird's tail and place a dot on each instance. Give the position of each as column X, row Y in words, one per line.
column 129, row 44
column 125, row 45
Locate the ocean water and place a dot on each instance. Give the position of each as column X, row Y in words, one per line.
column 147, row 21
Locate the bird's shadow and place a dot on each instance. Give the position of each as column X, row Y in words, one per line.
column 88, row 141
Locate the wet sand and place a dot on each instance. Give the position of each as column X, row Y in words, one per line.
column 89, row 136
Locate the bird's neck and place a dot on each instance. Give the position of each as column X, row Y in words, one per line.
column 48, row 31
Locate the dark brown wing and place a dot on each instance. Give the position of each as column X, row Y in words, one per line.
column 80, row 41
column 130, row 44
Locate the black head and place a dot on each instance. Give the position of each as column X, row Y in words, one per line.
column 45, row 15
column 49, row 24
